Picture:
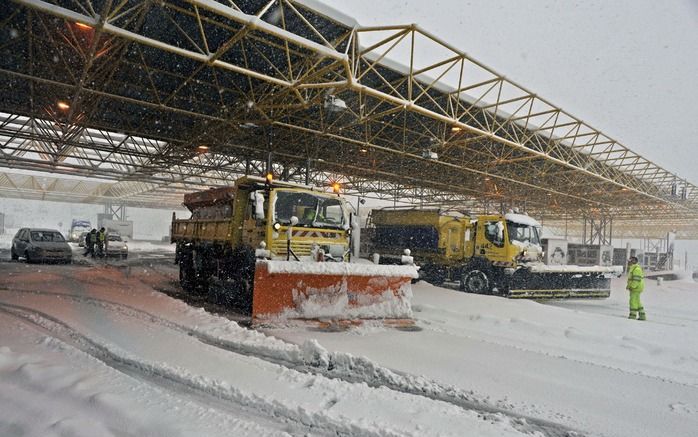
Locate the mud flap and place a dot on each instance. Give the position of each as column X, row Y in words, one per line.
column 331, row 291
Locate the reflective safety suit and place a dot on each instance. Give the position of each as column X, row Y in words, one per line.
column 100, row 240
column 636, row 283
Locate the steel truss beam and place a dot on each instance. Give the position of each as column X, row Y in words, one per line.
column 240, row 80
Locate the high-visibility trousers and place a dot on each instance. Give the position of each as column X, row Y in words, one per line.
column 635, row 304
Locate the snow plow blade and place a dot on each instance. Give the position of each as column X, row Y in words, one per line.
column 563, row 282
column 334, row 291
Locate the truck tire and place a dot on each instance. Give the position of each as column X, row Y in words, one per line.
column 201, row 274
column 243, row 260
column 187, row 276
column 434, row 275
column 476, row 281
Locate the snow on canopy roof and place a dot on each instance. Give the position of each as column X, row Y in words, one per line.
column 522, row 219
column 329, row 12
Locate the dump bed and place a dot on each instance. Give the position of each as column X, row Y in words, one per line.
column 211, row 218
column 210, row 197
column 201, row 229
column 405, row 217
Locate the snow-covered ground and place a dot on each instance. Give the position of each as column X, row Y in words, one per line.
column 96, row 351
column 149, row 246
column 581, row 363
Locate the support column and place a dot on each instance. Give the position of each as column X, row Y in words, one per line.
column 117, row 211
column 598, row 230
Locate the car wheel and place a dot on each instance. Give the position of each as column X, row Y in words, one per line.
column 13, row 255
column 26, row 257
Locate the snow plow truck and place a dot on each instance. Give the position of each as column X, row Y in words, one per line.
column 488, row 254
column 276, row 250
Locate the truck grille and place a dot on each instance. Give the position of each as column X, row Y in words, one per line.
column 300, row 248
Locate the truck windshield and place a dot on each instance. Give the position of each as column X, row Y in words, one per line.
column 523, row 233
column 312, row 210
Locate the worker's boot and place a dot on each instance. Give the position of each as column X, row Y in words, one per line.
column 633, row 315
column 642, row 316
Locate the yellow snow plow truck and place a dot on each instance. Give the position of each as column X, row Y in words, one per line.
column 488, row 254
column 280, row 250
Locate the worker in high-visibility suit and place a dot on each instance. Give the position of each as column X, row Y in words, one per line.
column 636, row 283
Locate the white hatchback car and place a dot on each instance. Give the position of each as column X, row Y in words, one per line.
column 116, row 246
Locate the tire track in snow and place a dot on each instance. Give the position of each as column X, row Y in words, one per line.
column 166, row 378
column 338, row 366
column 494, row 342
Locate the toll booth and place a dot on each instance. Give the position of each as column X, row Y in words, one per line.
column 590, row 255
column 556, row 251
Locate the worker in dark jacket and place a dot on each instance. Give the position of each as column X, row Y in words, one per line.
column 90, row 240
column 101, row 239
column 636, row 284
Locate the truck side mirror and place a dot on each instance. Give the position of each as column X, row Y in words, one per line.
column 258, row 199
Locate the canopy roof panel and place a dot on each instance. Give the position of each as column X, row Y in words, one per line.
column 185, row 93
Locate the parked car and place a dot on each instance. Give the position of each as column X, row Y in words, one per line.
column 39, row 245
column 116, row 246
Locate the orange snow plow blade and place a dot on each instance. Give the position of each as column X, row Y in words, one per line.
column 335, row 291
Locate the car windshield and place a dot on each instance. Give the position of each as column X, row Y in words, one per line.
column 46, row 236
column 114, row 237
column 523, row 233
column 312, row 210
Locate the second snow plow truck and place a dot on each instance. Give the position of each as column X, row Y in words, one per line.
column 487, row 254
column 280, row 250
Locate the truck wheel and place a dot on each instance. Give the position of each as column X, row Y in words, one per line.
column 242, row 274
column 476, row 281
column 434, row 275
column 202, row 271
column 187, row 276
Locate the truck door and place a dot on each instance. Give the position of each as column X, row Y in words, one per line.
column 491, row 239
column 453, row 232
column 253, row 225
column 468, row 239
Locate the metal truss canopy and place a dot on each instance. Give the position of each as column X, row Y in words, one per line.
column 164, row 97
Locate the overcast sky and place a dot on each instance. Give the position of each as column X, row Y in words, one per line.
column 627, row 67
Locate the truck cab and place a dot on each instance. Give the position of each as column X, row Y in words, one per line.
column 508, row 239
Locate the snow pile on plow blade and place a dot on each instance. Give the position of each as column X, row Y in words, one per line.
column 541, row 281
column 328, row 290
